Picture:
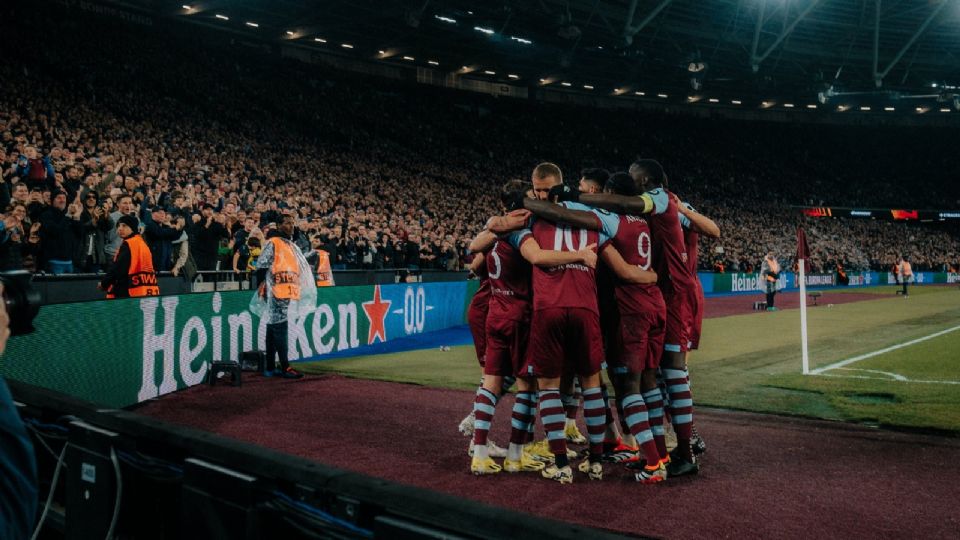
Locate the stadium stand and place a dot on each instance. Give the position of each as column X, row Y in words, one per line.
column 391, row 174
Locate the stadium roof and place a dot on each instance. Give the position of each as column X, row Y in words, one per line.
column 779, row 49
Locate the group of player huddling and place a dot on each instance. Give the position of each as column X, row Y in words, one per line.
column 548, row 315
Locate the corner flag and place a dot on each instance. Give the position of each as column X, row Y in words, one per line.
column 803, row 250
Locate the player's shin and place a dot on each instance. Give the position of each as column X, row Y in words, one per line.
column 554, row 419
column 483, row 408
column 681, row 409
column 637, row 418
column 593, row 412
column 654, row 402
column 523, row 411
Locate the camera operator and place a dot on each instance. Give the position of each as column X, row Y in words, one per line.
column 18, row 467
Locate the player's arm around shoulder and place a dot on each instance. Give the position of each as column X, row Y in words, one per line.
column 556, row 213
column 535, row 255
column 513, row 221
column 695, row 220
column 483, row 241
column 620, row 204
column 625, row 271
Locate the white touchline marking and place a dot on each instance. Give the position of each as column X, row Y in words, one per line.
column 883, row 378
column 894, row 376
column 848, row 361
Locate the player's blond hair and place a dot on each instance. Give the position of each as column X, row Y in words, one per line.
column 546, row 170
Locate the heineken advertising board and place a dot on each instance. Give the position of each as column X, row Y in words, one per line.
column 738, row 282
column 121, row 352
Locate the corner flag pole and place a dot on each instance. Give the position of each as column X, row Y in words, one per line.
column 803, row 252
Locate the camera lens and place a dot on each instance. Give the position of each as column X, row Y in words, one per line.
column 21, row 299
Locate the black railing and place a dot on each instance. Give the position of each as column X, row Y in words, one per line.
column 65, row 288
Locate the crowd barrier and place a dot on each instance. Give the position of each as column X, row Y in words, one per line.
column 121, row 352
column 83, row 287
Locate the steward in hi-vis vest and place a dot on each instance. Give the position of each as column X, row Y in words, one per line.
column 324, row 272
column 285, row 271
column 905, row 271
column 132, row 273
column 770, row 270
column 286, row 291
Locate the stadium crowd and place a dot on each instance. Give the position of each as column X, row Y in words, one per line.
column 210, row 145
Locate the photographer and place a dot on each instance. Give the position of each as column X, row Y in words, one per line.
column 18, row 466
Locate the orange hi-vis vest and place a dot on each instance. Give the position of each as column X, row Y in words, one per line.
column 285, row 271
column 324, row 273
column 142, row 278
column 774, row 267
column 905, row 269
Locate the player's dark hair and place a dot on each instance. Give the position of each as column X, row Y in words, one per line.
column 514, row 191
column 595, row 175
column 621, row 183
column 650, row 172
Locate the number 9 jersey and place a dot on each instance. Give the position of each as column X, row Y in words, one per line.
column 633, row 241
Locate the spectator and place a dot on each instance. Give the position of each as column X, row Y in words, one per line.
column 207, row 233
column 387, row 170
column 60, row 234
column 94, row 225
column 112, row 241
column 159, row 236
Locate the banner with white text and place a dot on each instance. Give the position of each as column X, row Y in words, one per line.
column 121, row 352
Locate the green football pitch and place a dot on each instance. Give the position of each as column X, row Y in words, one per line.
column 891, row 361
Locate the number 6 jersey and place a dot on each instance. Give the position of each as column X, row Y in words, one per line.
column 509, row 276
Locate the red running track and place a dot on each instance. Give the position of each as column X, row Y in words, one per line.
column 763, row 475
column 723, row 306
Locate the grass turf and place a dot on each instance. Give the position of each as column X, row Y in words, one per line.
column 752, row 362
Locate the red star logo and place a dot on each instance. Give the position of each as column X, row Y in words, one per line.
column 376, row 313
